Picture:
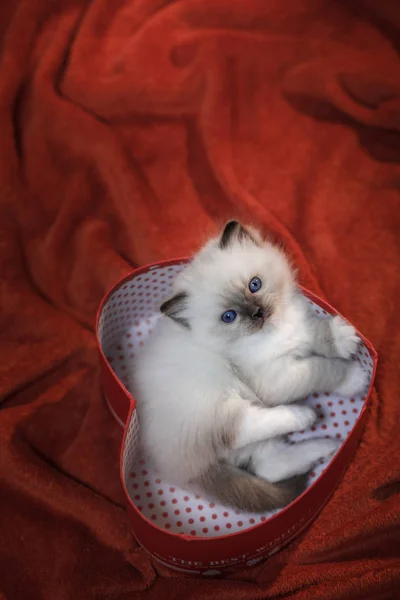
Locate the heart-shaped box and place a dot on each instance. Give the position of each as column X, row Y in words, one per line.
column 186, row 531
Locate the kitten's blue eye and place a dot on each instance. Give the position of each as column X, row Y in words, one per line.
column 255, row 284
column 229, row 316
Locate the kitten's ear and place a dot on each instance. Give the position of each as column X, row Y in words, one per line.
column 235, row 232
column 174, row 308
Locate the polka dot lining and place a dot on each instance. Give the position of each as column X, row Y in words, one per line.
column 127, row 319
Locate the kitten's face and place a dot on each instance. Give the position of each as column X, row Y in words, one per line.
column 236, row 286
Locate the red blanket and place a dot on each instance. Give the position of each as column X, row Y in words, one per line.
column 129, row 129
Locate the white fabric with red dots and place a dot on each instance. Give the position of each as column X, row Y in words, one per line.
column 126, row 320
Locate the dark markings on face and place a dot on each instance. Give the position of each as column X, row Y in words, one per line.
column 252, row 310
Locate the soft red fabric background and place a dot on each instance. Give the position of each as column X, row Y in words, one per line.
column 129, row 129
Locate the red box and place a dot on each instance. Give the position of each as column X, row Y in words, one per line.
column 185, row 531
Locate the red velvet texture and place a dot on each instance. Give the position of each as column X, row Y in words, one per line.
column 130, row 129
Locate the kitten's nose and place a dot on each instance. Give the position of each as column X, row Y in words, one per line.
column 257, row 314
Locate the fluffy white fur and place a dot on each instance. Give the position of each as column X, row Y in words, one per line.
column 215, row 399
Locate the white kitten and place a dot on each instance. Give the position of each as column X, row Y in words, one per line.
column 216, row 380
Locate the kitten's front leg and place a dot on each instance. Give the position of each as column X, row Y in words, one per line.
column 346, row 340
column 299, row 377
column 259, row 423
column 334, row 338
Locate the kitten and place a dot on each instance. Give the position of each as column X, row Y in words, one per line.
column 216, row 380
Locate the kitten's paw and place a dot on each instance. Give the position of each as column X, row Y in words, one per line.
column 345, row 337
column 311, row 451
column 303, row 417
column 355, row 382
column 322, row 448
